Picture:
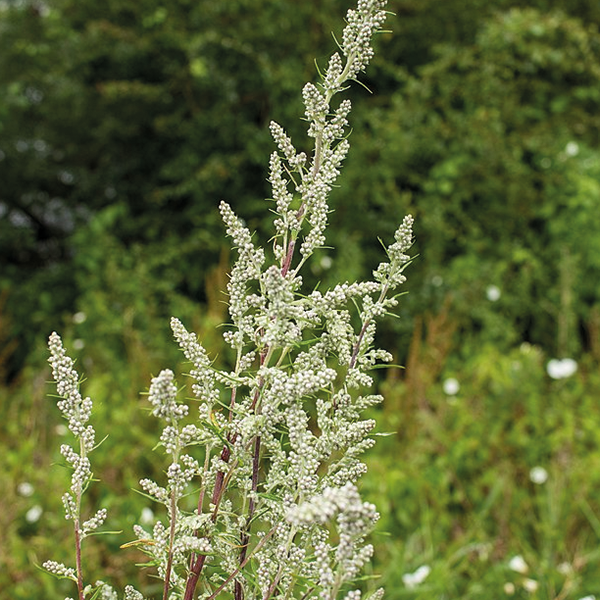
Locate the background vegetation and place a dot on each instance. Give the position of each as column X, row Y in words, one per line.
column 124, row 123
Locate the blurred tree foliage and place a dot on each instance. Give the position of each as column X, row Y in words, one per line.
column 494, row 147
column 123, row 126
column 124, row 123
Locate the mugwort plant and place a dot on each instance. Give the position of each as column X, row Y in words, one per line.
column 272, row 453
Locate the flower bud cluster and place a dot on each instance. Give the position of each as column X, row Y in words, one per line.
column 101, row 590
column 163, row 397
column 279, row 319
column 314, row 181
column 316, row 107
column 92, row 524
column 338, row 123
column 59, row 569
column 76, row 410
column 283, row 141
column 356, row 38
column 246, row 269
column 391, row 272
column 334, row 74
column 357, row 595
column 153, row 489
column 170, row 547
column 321, row 508
column 132, row 594
column 354, row 519
column 205, row 387
column 287, row 218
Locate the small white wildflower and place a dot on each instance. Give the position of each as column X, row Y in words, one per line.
column 25, row 489
column 509, row 588
column 493, row 293
column 565, row 568
column 451, row 386
column 61, row 429
column 517, row 563
column 561, row 368
column 538, row 475
column 531, row 585
column 572, row 149
column 33, row 514
column 590, row 597
column 79, row 317
column 326, row 262
column 147, row 516
column 412, row 580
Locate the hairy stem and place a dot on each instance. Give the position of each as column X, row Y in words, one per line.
column 258, row 546
column 78, row 563
column 197, row 561
column 171, row 543
column 363, row 329
column 274, row 583
column 76, row 525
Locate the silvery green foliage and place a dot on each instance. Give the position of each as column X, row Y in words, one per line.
column 272, row 448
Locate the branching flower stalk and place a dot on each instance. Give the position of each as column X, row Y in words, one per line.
column 273, row 451
column 77, row 411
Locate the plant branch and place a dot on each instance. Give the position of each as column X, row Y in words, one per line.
column 167, row 582
column 78, row 562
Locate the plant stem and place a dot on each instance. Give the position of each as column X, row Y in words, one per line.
column 258, row 546
column 192, row 581
column 288, row 258
column 363, row 329
column 274, row 583
column 198, row 560
column 78, row 552
column 76, row 525
column 171, row 542
column 265, row 356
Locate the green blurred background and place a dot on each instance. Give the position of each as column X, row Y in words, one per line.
column 124, row 123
